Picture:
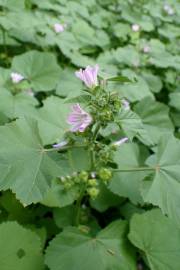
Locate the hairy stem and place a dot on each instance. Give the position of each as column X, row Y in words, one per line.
column 135, row 169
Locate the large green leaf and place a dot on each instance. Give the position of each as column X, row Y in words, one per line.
column 73, row 249
column 31, row 167
column 163, row 188
column 158, row 238
column 20, row 248
column 39, row 68
column 155, row 118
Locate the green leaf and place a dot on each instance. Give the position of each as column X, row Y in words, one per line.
column 72, row 249
column 132, row 126
column 175, row 100
column 163, row 188
column 154, row 82
column 120, row 79
column 149, row 232
column 68, row 84
column 31, row 167
column 4, row 76
column 105, row 199
column 127, row 184
column 39, row 68
column 155, row 118
column 57, row 196
column 13, row 4
column 20, row 248
column 136, row 91
column 52, row 119
column 127, row 55
column 64, row 216
column 19, row 105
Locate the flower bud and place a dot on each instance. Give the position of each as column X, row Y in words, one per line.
column 92, row 182
column 83, row 176
column 105, row 174
column 93, row 192
column 67, row 185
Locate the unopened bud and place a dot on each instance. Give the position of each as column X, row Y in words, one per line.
column 105, row 174
column 93, row 192
column 83, row 176
column 92, row 182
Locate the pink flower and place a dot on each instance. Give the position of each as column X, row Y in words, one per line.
column 16, row 77
column 146, row 49
column 88, row 76
column 121, row 141
column 58, row 28
column 79, row 119
column 60, row 145
column 135, row 27
column 125, row 104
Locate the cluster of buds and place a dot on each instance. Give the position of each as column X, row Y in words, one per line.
column 90, row 181
column 108, row 105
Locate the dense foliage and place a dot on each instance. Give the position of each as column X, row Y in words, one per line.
column 89, row 159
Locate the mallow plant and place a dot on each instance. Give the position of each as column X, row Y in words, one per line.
column 100, row 109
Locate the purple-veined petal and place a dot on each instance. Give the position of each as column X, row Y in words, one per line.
column 16, row 77
column 60, row 145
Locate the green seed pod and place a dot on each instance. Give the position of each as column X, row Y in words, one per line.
column 105, row 174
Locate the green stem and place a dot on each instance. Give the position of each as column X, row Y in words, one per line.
column 141, row 169
column 96, row 132
column 92, row 159
column 78, row 207
column 93, row 140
